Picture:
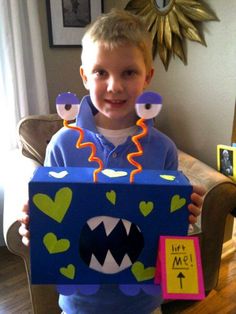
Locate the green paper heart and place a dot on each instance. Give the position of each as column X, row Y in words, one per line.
column 146, row 207
column 53, row 245
column 167, row 177
column 111, row 196
column 177, row 203
column 68, row 271
column 141, row 273
column 57, row 208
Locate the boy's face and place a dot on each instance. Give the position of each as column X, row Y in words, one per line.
column 115, row 78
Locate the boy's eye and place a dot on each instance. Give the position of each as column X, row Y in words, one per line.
column 67, row 105
column 148, row 105
column 129, row 73
column 100, row 73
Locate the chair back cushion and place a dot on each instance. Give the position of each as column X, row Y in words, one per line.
column 35, row 132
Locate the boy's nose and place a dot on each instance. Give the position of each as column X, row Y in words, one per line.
column 114, row 85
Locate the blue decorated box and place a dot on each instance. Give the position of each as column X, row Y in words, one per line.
column 105, row 232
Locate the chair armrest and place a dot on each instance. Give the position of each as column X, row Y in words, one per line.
column 200, row 173
column 219, row 201
column 216, row 223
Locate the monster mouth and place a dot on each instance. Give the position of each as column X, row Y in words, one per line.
column 110, row 245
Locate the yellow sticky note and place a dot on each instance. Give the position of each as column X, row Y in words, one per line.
column 181, row 271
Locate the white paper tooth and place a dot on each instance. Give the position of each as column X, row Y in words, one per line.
column 110, row 266
column 94, row 222
column 110, row 223
column 127, row 225
column 126, row 262
column 94, row 264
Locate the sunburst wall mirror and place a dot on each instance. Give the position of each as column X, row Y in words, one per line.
column 171, row 23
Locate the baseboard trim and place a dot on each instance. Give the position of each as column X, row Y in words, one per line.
column 228, row 247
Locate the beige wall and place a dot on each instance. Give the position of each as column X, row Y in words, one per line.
column 198, row 98
column 62, row 65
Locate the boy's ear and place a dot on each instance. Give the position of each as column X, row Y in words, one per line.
column 84, row 77
column 149, row 76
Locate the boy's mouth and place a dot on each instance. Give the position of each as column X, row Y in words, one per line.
column 110, row 245
column 115, row 102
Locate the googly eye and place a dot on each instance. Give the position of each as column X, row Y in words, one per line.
column 147, row 111
column 67, row 105
column 68, row 111
column 148, row 105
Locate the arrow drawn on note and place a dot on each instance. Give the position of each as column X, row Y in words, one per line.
column 181, row 276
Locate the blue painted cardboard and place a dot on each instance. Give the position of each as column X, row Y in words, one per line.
column 105, row 232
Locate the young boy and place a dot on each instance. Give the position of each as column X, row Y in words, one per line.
column 116, row 68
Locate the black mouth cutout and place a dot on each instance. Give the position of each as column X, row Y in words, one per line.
column 110, row 245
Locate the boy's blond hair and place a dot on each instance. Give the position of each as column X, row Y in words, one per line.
column 116, row 28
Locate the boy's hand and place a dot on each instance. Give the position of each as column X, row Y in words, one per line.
column 197, row 201
column 24, row 227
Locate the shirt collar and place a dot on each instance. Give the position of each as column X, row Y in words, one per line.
column 85, row 118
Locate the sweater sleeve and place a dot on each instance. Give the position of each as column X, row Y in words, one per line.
column 54, row 155
column 172, row 159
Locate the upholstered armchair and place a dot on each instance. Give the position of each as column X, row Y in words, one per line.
column 34, row 134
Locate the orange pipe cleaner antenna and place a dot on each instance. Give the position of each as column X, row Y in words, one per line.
column 139, row 152
column 79, row 144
